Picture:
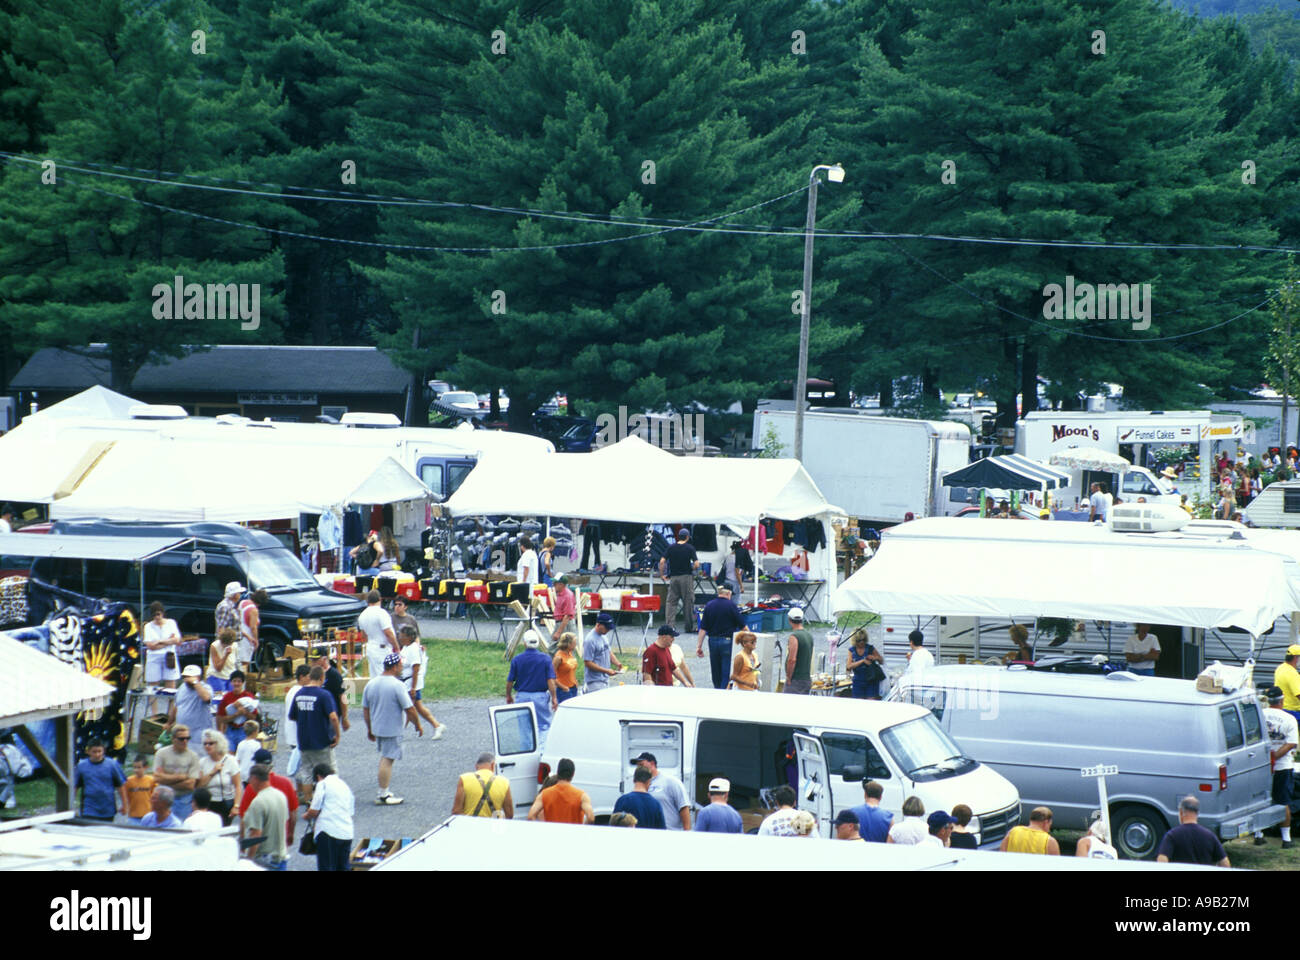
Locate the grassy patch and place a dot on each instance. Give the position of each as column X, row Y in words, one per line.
column 853, row 619
column 460, row 669
column 34, row 797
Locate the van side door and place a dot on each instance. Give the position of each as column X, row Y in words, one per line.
column 515, row 743
column 663, row 738
column 814, row 786
column 854, row 749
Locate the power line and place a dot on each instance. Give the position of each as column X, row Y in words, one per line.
column 649, row 223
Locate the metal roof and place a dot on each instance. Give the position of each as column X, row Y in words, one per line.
column 667, row 702
column 35, row 686
column 87, row 548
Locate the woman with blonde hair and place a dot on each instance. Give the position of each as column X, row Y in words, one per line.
column 744, row 668
column 1095, row 844
column 390, row 554
column 219, row 772
column 222, row 659
column 1019, row 634
column 565, row 662
column 804, row 824
column 548, row 561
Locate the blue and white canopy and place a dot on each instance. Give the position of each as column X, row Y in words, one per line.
column 1010, row 472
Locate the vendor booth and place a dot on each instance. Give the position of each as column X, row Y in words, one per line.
column 1197, row 579
column 633, row 481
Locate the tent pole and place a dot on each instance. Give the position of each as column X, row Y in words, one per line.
column 758, row 556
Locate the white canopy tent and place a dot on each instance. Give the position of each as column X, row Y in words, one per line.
column 635, row 482
column 94, row 401
column 148, row 478
column 1020, row 570
column 1089, row 458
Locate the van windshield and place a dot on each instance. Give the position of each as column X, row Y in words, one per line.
column 273, row 569
column 924, row 751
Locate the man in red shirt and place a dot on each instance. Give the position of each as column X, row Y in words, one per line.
column 657, row 666
column 230, row 719
column 283, row 784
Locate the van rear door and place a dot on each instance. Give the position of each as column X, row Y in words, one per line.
column 814, row 788
column 1249, row 777
column 515, row 742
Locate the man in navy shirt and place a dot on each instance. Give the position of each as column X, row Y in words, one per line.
column 874, row 822
column 648, row 811
column 316, row 714
column 719, row 816
column 1189, row 842
column 97, row 778
column 720, row 622
column 532, row 677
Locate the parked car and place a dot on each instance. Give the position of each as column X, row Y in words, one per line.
column 191, row 586
column 1040, row 728
column 822, row 745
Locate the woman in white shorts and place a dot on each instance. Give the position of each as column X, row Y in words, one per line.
column 161, row 638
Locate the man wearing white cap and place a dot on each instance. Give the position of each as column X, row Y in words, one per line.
column 798, row 663
column 719, row 816
column 384, row 703
column 192, row 705
column 227, row 614
column 532, row 678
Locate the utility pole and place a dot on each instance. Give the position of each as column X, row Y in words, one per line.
column 836, row 175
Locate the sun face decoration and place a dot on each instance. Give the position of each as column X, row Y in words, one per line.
column 101, row 662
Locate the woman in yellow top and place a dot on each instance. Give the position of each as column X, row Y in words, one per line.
column 566, row 666
column 744, row 668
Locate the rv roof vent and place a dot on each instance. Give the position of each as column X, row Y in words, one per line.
column 1123, row 675
column 232, row 419
column 1147, row 517
column 157, row 411
column 373, row 421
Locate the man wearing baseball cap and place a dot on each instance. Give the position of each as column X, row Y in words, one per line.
column 227, row 614
column 668, row 790
column 846, row 826
column 597, row 655
column 192, row 705
column 333, row 682
column 1283, row 737
column 275, row 781
column 720, row 816
column 798, row 662
column 940, row 824
column 1288, row 678
column 657, row 664
column 384, row 703
column 532, row 678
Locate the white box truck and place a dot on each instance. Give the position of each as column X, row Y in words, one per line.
column 877, row 469
column 1043, row 433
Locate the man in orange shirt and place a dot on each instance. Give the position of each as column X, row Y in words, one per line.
column 563, row 803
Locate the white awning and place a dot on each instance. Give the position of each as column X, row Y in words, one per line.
column 35, row 686
column 151, row 478
column 635, row 482
column 87, row 548
column 992, row 568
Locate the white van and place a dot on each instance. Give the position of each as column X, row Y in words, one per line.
column 820, row 745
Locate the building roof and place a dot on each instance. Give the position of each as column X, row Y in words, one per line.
column 35, row 686
column 663, row 702
column 224, row 368
column 1114, row 686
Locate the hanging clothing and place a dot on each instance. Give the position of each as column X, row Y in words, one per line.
column 776, row 539
column 704, row 537
column 757, row 539
column 329, row 530
column 352, row 532
column 816, row 535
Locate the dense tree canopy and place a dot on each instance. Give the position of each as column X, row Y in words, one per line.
column 515, row 131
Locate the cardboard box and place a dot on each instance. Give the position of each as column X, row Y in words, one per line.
column 294, row 653
column 151, row 728
column 363, row 857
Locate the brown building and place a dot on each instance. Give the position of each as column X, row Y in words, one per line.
column 279, row 382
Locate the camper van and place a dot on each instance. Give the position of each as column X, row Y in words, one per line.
column 1278, row 505
column 1039, row 729
column 821, row 746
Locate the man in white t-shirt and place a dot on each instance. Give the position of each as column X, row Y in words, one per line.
column 6, row 519
column 289, row 728
column 1283, row 737
column 203, row 819
column 1099, row 502
column 919, row 658
column 1142, row 650
column 381, row 639
column 527, row 570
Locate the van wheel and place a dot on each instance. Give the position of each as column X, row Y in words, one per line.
column 1137, row 831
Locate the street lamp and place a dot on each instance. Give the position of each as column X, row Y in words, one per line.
column 835, row 174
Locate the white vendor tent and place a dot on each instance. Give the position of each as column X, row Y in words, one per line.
column 94, row 401
column 945, row 566
column 148, row 478
column 634, row 482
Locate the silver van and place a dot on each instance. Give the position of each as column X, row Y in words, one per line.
column 1039, row 729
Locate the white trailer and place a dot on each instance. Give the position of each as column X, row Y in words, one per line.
column 1045, row 432
column 60, row 842
column 877, row 469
